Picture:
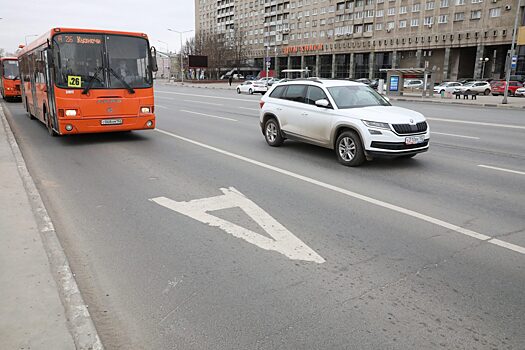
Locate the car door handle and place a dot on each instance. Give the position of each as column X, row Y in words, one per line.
column 279, row 109
column 305, row 114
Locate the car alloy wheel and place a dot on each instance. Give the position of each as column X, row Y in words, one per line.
column 272, row 133
column 349, row 149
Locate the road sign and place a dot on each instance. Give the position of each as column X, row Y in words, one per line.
column 514, row 62
column 281, row 241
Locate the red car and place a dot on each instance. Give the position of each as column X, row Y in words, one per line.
column 498, row 88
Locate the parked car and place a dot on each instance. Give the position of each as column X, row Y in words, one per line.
column 448, row 86
column 273, row 81
column 413, row 84
column 481, row 87
column 348, row 117
column 520, row 92
column 499, row 87
column 465, row 81
column 251, row 87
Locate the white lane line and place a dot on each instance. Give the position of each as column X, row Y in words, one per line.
column 161, row 106
column 508, row 245
column 204, row 103
column 502, row 169
column 371, row 200
column 477, row 123
column 455, row 135
column 209, row 115
column 250, row 109
column 164, row 98
column 208, row 96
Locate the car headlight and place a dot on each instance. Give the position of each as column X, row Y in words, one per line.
column 379, row 125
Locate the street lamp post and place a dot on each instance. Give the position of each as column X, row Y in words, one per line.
column 169, row 57
column 509, row 61
column 181, row 66
column 483, row 61
column 29, row 36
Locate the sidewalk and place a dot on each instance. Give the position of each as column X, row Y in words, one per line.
column 481, row 101
column 35, row 311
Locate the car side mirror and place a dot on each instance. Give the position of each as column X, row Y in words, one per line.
column 322, row 103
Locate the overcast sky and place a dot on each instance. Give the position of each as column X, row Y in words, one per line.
column 153, row 17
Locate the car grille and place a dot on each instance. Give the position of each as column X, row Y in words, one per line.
column 406, row 129
column 397, row 146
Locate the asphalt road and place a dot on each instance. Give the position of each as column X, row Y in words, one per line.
column 401, row 251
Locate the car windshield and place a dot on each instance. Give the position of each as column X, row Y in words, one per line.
column 101, row 61
column 11, row 69
column 356, row 96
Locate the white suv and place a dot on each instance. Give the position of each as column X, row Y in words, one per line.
column 349, row 117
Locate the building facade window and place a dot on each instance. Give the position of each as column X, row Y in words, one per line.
column 402, row 24
column 475, row 14
column 495, row 12
column 402, row 10
column 414, row 22
column 443, row 19
column 443, row 3
column 459, row 16
column 460, row 2
column 416, row 7
column 430, row 5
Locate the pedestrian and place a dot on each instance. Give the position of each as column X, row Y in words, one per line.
column 230, row 79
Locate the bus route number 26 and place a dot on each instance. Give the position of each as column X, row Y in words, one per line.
column 74, row 81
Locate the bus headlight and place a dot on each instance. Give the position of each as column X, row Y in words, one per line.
column 69, row 127
column 145, row 110
column 71, row 112
column 149, row 123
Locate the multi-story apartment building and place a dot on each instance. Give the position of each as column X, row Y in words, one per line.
column 357, row 38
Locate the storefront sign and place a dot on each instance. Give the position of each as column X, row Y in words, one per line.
column 302, row 48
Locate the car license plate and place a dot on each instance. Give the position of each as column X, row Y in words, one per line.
column 414, row 140
column 111, row 121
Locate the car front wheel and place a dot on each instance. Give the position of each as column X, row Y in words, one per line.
column 487, row 92
column 349, row 149
column 238, row 90
column 250, row 92
column 272, row 133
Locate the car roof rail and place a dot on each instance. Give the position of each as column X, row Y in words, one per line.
column 314, row 79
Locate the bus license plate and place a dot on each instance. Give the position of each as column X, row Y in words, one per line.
column 111, row 121
column 414, row 140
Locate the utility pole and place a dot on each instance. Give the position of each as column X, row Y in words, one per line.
column 169, row 58
column 509, row 61
column 181, row 64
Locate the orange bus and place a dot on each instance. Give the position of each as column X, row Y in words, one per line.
column 9, row 78
column 89, row 81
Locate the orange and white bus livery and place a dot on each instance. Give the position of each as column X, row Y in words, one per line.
column 9, row 78
column 89, row 81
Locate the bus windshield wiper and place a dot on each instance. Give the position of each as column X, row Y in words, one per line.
column 125, row 83
column 92, row 79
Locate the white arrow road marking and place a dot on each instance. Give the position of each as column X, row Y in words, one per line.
column 283, row 240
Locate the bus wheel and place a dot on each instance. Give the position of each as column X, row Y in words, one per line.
column 49, row 127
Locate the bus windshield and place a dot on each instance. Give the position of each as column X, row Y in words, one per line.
column 95, row 61
column 11, row 69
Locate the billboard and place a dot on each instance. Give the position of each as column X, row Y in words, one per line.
column 197, row 61
column 521, row 36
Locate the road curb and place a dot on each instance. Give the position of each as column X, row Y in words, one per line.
column 420, row 100
column 79, row 321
